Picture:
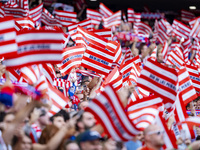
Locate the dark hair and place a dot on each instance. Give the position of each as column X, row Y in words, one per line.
column 56, row 115
column 65, row 114
column 67, row 142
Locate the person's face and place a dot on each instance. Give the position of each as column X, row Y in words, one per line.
column 157, row 137
column 72, row 146
column 59, row 121
column 83, row 105
column 8, row 119
column 160, row 57
column 26, row 143
column 80, row 96
column 144, row 51
column 140, row 136
column 44, row 120
column 88, row 120
column 91, row 145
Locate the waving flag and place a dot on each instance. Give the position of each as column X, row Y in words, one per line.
column 181, row 115
column 108, row 108
column 87, row 37
column 130, row 12
column 87, row 73
column 159, row 80
column 65, row 18
column 49, row 72
column 194, row 76
column 97, row 59
column 36, row 13
column 195, row 29
column 37, row 46
column 86, row 24
column 14, row 75
column 106, row 33
column 58, row 99
column 114, row 20
column 154, row 54
column 94, row 15
column 186, row 89
column 169, row 138
column 48, row 19
column 144, row 111
column 186, row 16
column 16, row 12
column 181, row 30
column 72, row 57
column 165, row 50
column 105, row 11
column 143, row 29
column 138, row 93
column 164, row 29
column 192, row 22
column 175, row 59
column 31, row 73
column 8, row 43
column 26, row 22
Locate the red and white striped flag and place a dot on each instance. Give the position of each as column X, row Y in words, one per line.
column 97, row 59
column 144, row 111
column 165, row 51
column 65, row 18
column 58, row 99
column 106, row 33
column 192, row 121
column 192, row 22
column 2, row 13
column 31, row 74
column 87, row 73
column 169, row 138
column 48, row 19
column 186, row 16
column 16, row 12
column 164, row 30
column 8, row 43
column 195, row 29
column 49, row 72
column 23, row 4
column 36, row 12
column 194, row 76
column 109, row 110
column 72, row 57
column 181, row 115
column 114, row 20
column 143, row 29
column 86, row 37
column 138, row 93
column 175, row 59
column 181, row 30
column 37, row 46
column 154, row 54
column 86, row 24
column 114, row 78
column 159, row 80
column 185, row 55
column 26, row 22
column 130, row 12
column 94, row 15
column 185, row 87
column 105, row 11
column 14, row 75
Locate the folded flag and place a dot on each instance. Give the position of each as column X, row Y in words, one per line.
column 48, row 19
column 26, row 22
column 130, row 12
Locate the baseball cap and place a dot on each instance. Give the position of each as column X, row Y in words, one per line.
column 88, row 136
